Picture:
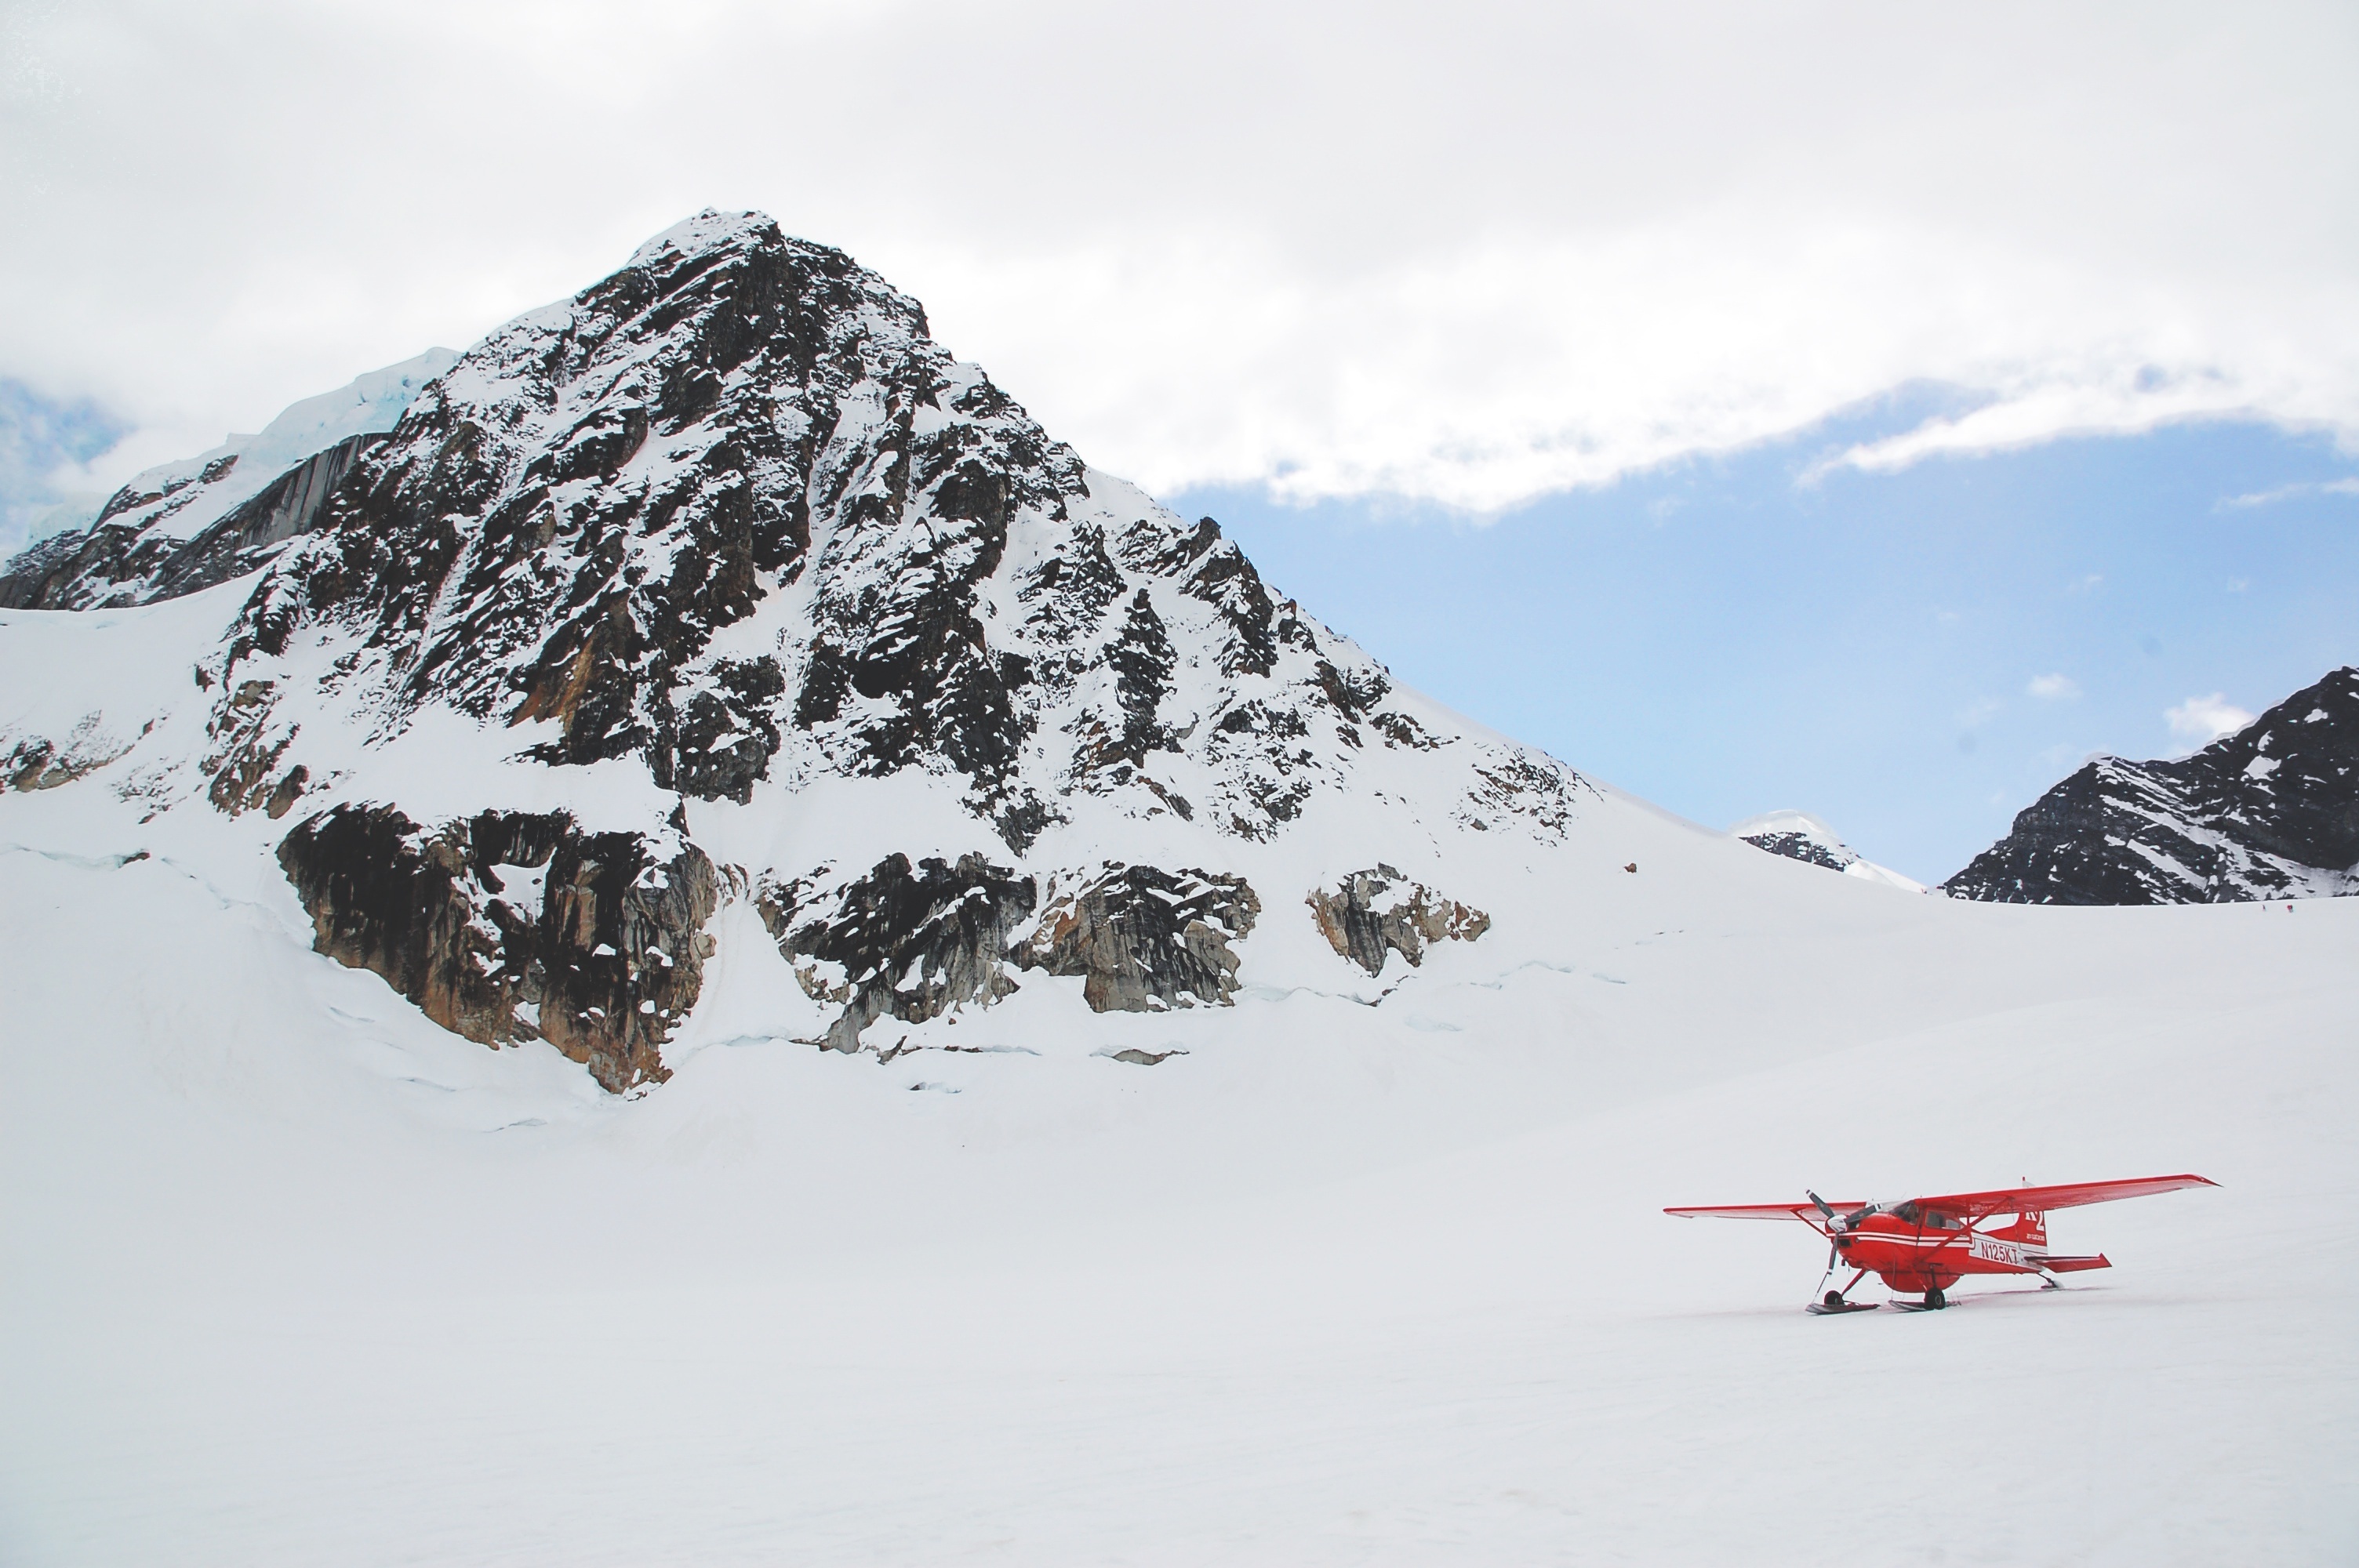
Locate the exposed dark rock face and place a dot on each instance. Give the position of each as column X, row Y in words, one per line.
column 249, row 535
column 43, row 575
column 1519, row 783
column 1145, row 939
column 1798, row 846
column 1381, row 912
column 514, row 926
column 1141, row 658
column 1212, row 569
column 125, row 558
column 559, row 525
column 726, row 735
column 913, row 943
column 2269, row 812
column 248, row 746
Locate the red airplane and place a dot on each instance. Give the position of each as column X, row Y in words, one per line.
column 1927, row 1245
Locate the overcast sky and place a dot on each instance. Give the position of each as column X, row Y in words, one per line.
column 1466, row 252
column 1435, row 262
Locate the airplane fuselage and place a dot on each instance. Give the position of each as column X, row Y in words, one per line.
column 1931, row 1252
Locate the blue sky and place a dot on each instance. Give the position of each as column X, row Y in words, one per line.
column 1727, row 636
column 44, row 442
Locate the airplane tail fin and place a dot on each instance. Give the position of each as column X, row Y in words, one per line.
column 2031, row 1228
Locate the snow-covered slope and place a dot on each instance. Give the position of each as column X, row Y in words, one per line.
column 2271, row 811
column 1799, row 835
column 295, row 1276
column 185, row 525
column 1111, row 1077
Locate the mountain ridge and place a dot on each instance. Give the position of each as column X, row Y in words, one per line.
column 2270, row 811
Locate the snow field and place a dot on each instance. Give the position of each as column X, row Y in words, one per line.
column 296, row 1277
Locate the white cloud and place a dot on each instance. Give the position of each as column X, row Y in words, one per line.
column 1978, row 711
column 2291, row 491
column 2053, row 688
column 1472, row 256
column 2200, row 721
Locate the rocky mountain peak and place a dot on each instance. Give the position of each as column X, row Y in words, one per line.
column 724, row 553
column 2271, row 811
column 565, row 528
column 1799, row 835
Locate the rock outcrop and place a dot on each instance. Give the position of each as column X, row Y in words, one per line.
column 1144, row 939
column 514, row 925
column 1378, row 912
column 1797, row 844
column 909, row 942
column 1799, row 835
column 2271, row 811
column 38, row 762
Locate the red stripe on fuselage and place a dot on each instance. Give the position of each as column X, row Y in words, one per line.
column 1919, row 1257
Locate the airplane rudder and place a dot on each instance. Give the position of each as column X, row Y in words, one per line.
column 2028, row 1227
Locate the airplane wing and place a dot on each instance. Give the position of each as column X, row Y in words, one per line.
column 2039, row 1200
column 1806, row 1212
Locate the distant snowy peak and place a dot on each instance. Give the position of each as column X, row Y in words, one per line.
column 184, row 526
column 2271, row 811
column 1799, row 835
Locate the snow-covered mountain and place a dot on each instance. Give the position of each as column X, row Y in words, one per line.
column 1799, row 835
column 722, row 584
column 2271, row 811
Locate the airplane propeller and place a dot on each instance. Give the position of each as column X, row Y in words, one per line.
column 1833, row 1225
